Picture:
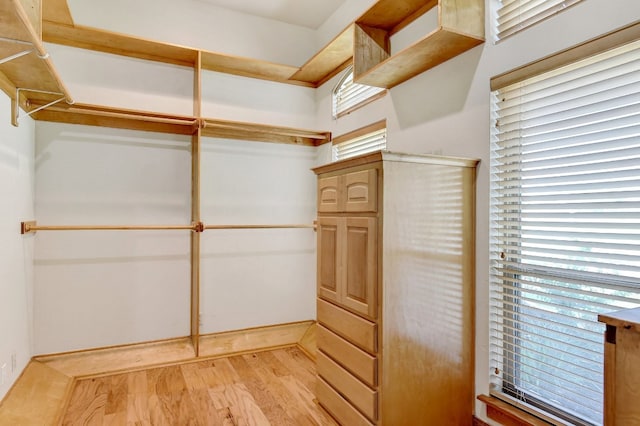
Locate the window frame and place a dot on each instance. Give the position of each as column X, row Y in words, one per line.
column 355, row 135
column 345, row 83
column 585, row 50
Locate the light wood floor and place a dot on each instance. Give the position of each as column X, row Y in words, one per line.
column 264, row 388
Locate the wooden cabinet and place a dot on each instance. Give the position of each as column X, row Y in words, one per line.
column 621, row 367
column 395, row 289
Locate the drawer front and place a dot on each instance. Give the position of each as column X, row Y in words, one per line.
column 361, row 191
column 339, row 407
column 356, row 329
column 328, row 194
column 358, row 362
column 356, row 392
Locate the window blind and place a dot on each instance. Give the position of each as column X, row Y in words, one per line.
column 516, row 15
column 374, row 141
column 349, row 95
column 565, row 229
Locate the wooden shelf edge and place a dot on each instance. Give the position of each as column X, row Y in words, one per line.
column 418, row 58
column 393, row 15
column 97, row 115
column 94, row 115
column 118, row 44
column 387, row 15
column 32, row 73
column 332, row 58
column 263, row 133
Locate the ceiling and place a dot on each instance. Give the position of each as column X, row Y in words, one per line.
column 305, row 13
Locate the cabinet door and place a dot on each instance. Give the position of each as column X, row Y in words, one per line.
column 361, row 191
column 359, row 277
column 329, row 194
column 328, row 257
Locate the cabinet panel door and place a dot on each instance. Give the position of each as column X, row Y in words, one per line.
column 329, row 194
column 359, row 276
column 361, row 191
column 328, row 261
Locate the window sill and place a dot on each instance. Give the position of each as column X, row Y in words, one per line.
column 508, row 415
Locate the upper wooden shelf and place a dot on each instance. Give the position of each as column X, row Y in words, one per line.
column 25, row 63
column 461, row 27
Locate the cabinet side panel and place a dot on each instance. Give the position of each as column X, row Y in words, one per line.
column 427, row 320
column 627, row 381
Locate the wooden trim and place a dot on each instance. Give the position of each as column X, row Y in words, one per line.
column 374, row 127
column 581, row 51
column 40, row 392
column 197, row 86
column 196, row 143
column 308, row 341
column 478, row 422
column 509, row 415
column 252, row 339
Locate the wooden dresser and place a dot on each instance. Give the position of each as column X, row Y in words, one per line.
column 622, row 367
column 396, row 289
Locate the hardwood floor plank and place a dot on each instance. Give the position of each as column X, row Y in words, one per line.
column 261, row 389
column 87, row 404
column 241, row 404
column 265, row 399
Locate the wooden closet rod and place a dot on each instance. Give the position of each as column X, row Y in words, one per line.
column 257, row 226
column 32, row 226
column 26, row 227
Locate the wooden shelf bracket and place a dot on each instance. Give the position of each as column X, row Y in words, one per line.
column 16, row 110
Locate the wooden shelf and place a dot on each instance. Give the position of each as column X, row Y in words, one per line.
column 263, row 133
column 436, row 48
column 33, row 72
column 461, row 22
column 460, row 28
column 332, row 59
column 97, row 115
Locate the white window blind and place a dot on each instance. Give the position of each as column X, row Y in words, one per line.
column 565, row 229
column 348, row 96
column 516, row 15
column 370, row 142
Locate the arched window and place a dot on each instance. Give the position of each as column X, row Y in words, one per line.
column 349, row 96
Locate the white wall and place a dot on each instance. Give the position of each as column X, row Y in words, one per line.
column 198, row 24
column 257, row 277
column 16, row 251
column 230, row 97
column 446, row 110
column 104, row 79
column 102, row 288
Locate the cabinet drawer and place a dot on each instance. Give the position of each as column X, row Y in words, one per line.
column 359, row 394
column 361, row 191
column 351, row 192
column 356, row 329
column 338, row 406
column 358, row 362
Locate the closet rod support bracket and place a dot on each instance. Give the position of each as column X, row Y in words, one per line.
column 27, row 227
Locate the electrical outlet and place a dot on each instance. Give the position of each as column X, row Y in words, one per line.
column 14, row 364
